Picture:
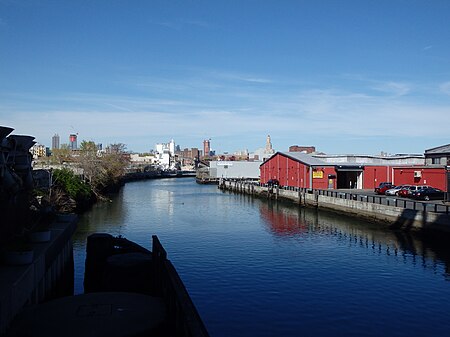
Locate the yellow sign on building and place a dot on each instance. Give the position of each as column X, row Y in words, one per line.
column 317, row 174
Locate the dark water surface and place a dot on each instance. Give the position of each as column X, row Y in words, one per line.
column 255, row 268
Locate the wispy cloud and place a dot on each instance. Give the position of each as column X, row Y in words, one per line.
column 224, row 105
column 119, row 107
column 180, row 24
column 167, row 24
column 445, row 88
column 427, row 48
column 235, row 76
column 393, row 88
column 198, row 23
column 390, row 87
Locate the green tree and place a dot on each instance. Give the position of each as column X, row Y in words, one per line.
column 62, row 155
column 88, row 160
column 102, row 170
column 88, row 146
column 69, row 191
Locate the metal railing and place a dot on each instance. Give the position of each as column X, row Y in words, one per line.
column 375, row 199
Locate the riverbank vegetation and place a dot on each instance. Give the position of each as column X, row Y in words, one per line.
column 69, row 193
column 102, row 170
column 88, row 175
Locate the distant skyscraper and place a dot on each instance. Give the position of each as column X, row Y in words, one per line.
column 55, row 142
column 206, row 147
column 73, row 142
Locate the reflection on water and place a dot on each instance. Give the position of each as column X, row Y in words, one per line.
column 427, row 251
column 255, row 267
column 112, row 213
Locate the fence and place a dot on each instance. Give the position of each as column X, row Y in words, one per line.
column 357, row 196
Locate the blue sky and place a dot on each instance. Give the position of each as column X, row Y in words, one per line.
column 345, row 76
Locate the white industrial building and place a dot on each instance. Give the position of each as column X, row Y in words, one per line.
column 165, row 155
column 234, row 169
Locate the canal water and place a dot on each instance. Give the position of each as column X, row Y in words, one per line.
column 258, row 268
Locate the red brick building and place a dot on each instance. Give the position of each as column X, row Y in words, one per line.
column 305, row 149
column 422, row 175
column 362, row 172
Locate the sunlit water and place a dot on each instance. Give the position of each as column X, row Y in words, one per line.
column 255, row 268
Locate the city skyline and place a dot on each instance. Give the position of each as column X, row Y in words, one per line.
column 345, row 77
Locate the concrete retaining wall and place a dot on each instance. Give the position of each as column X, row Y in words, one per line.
column 395, row 217
column 44, row 277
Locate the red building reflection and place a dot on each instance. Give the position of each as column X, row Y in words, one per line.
column 283, row 221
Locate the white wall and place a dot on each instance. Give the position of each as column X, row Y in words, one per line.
column 234, row 169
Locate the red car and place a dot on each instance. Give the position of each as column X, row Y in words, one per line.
column 404, row 192
column 383, row 187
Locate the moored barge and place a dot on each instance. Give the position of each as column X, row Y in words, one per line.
column 129, row 291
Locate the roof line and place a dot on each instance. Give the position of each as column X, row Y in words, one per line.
column 437, row 147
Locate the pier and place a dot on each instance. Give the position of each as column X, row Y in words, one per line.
column 394, row 212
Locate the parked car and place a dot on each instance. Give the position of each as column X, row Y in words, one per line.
column 383, row 187
column 395, row 190
column 429, row 193
column 404, row 192
column 407, row 192
column 273, row 182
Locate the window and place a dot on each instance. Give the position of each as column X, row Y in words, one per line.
column 435, row 160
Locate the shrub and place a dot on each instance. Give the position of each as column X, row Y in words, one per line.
column 76, row 188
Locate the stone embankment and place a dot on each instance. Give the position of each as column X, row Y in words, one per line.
column 419, row 217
